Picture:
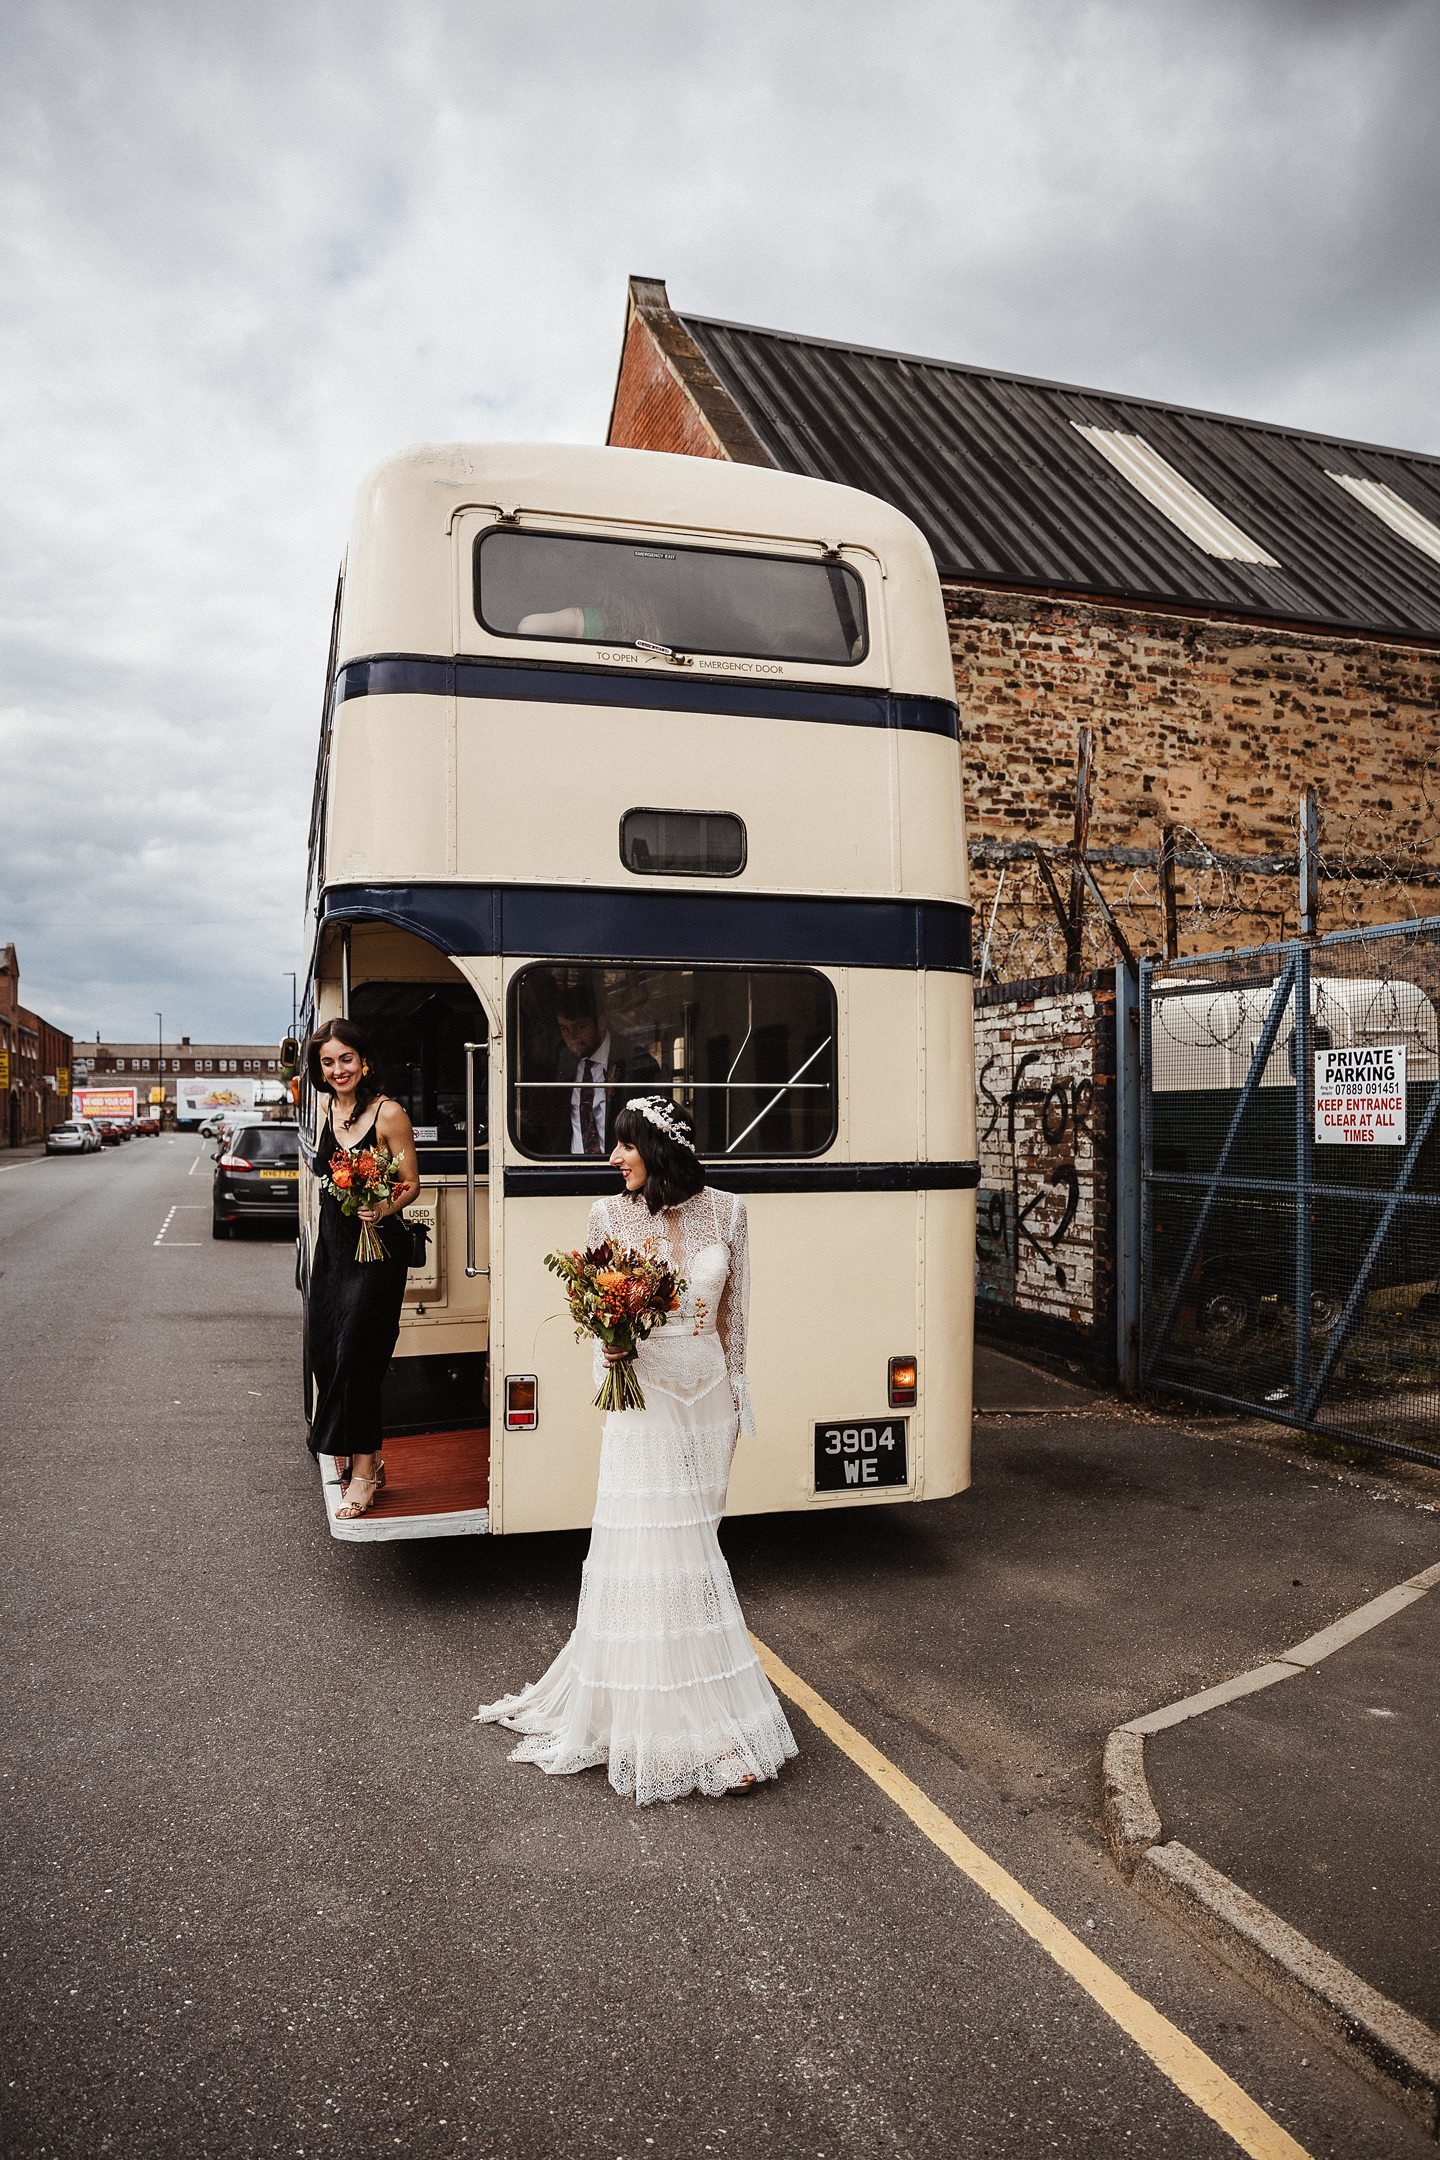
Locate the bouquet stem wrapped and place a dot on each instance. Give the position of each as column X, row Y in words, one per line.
column 617, row 1296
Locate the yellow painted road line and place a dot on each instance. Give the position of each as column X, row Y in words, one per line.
column 1188, row 2068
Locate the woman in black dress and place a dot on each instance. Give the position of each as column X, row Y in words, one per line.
column 354, row 1310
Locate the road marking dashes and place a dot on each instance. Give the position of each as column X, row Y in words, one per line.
column 187, row 1207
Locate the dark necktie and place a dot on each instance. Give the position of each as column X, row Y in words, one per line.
column 589, row 1130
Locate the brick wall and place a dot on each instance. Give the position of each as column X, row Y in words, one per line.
column 1044, row 1072
column 1212, row 726
column 652, row 410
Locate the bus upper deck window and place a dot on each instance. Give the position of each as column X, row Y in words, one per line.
column 682, row 843
column 563, row 586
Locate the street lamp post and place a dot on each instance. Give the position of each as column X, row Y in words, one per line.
column 294, row 1000
column 160, row 1060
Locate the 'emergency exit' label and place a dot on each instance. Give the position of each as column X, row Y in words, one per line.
column 1360, row 1097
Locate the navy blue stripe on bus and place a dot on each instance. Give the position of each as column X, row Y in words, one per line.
column 423, row 675
column 759, row 1177
column 571, row 922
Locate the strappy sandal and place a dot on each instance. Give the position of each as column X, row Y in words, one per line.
column 351, row 1509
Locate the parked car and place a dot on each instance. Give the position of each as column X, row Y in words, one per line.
column 149, row 1126
column 77, row 1136
column 257, row 1177
column 110, row 1133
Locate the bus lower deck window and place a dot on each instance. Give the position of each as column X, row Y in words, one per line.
column 682, row 843
column 750, row 1052
column 686, row 599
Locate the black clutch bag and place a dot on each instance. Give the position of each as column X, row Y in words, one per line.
column 410, row 1241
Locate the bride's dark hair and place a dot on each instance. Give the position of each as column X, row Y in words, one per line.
column 672, row 1172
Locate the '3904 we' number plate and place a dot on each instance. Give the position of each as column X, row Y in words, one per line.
column 860, row 1454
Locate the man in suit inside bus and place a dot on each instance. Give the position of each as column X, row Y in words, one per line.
column 594, row 1059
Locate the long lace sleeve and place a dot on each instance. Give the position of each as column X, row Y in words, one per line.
column 733, row 1318
column 597, row 1228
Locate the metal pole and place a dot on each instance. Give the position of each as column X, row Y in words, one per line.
column 1075, row 932
column 1128, row 1137
column 1169, row 911
column 1300, row 1044
column 1309, row 863
column 470, row 1267
column 160, row 1059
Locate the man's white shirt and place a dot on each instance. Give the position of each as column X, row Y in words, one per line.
column 594, row 1068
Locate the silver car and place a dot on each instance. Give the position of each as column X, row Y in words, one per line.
column 77, row 1136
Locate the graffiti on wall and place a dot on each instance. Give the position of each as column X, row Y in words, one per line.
column 1035, row 1083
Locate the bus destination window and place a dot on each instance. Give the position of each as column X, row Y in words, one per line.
column 750, row 1052
column 682, row 843
column 682, row 599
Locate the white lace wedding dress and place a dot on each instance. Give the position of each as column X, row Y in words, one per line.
column 659, row 1679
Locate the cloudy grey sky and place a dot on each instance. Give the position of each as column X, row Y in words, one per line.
column 250, row 246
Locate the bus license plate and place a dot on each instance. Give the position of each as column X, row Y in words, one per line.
column 861, row 1454
column 294, row 1174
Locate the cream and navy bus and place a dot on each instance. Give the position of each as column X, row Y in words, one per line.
column 656, row 758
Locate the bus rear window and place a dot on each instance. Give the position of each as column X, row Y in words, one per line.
column 686, row 599
column 750, row 1052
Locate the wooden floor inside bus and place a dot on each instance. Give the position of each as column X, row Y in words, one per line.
column 435, row 1473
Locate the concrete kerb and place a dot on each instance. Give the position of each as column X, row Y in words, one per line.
column 1374, row 2034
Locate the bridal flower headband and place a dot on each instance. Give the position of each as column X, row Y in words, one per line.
column 662, row 1115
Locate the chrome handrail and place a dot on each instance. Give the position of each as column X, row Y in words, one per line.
column 470, row 1267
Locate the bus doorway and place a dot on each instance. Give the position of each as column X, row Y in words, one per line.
column 430, row 1034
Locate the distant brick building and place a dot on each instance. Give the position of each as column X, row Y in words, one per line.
column 159, row 1064
column 35, row 1064
column 1236, row 611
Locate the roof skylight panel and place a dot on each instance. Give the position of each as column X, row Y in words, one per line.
column 1188, row 510
column 1384, row 503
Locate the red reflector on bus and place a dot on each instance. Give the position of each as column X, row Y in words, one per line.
column 520, row 1400
column 904, row 1382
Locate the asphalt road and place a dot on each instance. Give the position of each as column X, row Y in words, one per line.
column 270, row 1891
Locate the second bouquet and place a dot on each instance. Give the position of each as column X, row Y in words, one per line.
column 618, row 1295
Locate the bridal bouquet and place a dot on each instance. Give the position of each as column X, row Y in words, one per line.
column 360, row 1178
column 619, row 1296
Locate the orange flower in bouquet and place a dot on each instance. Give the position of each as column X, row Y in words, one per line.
column 618, row 1295
column 364, row 1178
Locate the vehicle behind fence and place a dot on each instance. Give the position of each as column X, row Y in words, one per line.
column 1290, row 1240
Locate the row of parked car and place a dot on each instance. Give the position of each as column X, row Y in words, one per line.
column 86, row 1136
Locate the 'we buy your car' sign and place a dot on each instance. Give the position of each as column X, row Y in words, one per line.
column 1360, row 1097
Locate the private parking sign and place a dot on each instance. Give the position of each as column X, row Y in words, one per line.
column 1360, row 1097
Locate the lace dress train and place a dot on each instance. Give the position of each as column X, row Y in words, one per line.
column 659, row 1679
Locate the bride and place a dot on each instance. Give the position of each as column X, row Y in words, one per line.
column 658, row 1678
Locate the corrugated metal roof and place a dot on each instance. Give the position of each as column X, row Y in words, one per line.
column 994, row 471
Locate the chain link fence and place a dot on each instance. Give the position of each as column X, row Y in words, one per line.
column 1290, row 1251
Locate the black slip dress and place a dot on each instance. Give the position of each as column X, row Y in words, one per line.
column 353, row 1319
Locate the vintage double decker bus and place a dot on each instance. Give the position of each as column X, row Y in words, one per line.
column 641, row 773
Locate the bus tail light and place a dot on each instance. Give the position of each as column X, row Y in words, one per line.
column 904, row 1382
column 520, row 1402
column 235, row 1162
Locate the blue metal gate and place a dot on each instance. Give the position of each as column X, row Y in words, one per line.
column 1290, row 1243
